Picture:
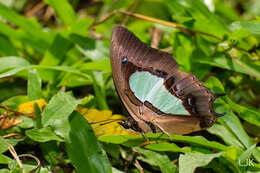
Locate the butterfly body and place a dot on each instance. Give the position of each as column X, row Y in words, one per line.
column 158, row 96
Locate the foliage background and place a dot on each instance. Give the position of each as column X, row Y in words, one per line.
column 56, row 54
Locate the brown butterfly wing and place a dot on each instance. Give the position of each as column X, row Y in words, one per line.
column 118, row 49
column 196, row 98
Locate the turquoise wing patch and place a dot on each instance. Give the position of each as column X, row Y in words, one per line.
column 149, row 87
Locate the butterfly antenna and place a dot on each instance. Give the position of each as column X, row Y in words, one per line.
column 219, row 95
column 221, row 115
column 106, row 121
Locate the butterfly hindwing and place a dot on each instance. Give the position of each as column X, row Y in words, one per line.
column 151, row 88
column 154, row 91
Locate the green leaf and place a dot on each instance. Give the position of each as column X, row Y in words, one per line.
column 256, row 154
column 100, row 93
column 198, row 140
column 112, row 149
column 4, row 170
column 114, row 170
column 204, row 20
column 226, row 135
column 232, row 154
column 42, row 135
column 83, row 42
column 81, row 26
column 10, row 88
column 12, row 65
column 237, row 65
column 215, row 85
column 30, row 26
column 156, row 9
column 190, row 161
column 57, row 51
column 156, row 159
column 165, row 146
column 34, row 85
column 56, row 113
column 87, row 99
column 252, row 27
column 184, row 51
column 64, row 10
column 13, row 71
column 4, row 143
column 72, row 80
column 51, row 152
column 233, row 123
column 103, row 65
column 118, row 139
column 55, row 68
column 38, row 116
column 230, row 120
column 6, row 47
column 27, row 122
column 55, row 55
column 246, row 154
column 29, row 168
column 31, row 32
column 83, row 148
column 226, row 12
column 24, row 37
column 10, row 32
column 249, row 114
column 100, row 52
column 13, row 102
column 4, row 159
column 12, row 62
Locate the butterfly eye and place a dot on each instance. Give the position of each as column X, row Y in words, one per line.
column 124, row 60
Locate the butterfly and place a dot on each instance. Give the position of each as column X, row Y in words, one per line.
column 157, row 95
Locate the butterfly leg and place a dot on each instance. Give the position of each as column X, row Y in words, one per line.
column 140, row 110
column 162, row 129
column 144, row 136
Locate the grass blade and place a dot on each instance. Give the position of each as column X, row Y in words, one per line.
column 64, row 10
column 34, row 85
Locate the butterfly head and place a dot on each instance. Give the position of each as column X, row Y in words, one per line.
column 130, row 124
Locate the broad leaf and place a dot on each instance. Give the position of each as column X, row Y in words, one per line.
column 84, row 149
column 190, row 161
column 252, row 27
column 42, row 135
column 57, row 112
column 156, row 159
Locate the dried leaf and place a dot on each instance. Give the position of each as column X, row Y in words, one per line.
column 28, row 108
column 105, row 122
column 7, row 122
